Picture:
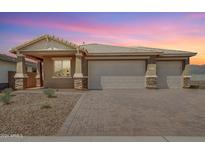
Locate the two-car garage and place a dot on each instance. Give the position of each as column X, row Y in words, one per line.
column 130, row 74
column 118, row 74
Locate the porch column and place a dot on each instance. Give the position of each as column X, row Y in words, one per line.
column 80, row 82
column 38, row 74
column 186, row 74
column 20, row 76
column 151, row 73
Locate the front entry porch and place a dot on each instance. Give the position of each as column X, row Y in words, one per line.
column 23, row 79
column 59, row 63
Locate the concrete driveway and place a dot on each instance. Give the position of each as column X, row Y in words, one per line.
column 165, row 112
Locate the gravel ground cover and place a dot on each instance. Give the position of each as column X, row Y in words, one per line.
column 33, row 114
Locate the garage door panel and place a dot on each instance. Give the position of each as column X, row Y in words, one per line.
column 122, row 82
column 169, row 74
column 116, row 74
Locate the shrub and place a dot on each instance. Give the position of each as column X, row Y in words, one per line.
column 45, row 106
column 5, row 98
column 194, row 86
column 7, row 91
column 49, row 92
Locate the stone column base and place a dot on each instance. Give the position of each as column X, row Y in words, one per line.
column 80, row 83
column 151, row 82
column 20, row 83
column 186, row 82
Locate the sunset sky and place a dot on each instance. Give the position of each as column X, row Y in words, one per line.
column 184, row 31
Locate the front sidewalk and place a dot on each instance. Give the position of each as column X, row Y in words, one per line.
column 103, row 139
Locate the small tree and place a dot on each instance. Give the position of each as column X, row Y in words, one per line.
column 6, row 97
column 49, row 92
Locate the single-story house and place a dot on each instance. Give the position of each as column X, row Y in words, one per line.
column 7, row 64
column 62, row 64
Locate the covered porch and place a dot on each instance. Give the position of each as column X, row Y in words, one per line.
column 59, row 63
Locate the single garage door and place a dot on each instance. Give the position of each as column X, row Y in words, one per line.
column 169, row 74
column 116, row 74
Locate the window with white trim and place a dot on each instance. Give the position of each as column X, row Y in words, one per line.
column 62, row 67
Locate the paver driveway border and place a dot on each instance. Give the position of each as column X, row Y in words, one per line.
column 63, row 130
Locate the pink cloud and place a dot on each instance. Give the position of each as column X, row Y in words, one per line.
column 196, row 15
column 132, row 29
column 163, row 34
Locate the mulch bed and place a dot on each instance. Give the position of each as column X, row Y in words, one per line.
column 33, row 114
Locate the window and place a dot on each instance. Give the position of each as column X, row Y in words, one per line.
column 62, row 68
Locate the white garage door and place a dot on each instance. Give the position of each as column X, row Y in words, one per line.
column 116, row 74
column 169, row 74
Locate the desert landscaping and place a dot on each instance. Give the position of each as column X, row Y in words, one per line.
column 35, row 114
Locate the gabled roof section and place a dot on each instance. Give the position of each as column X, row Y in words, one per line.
column 66, row 44
column 100, row 49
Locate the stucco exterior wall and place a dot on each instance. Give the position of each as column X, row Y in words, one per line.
column 52, row 82
column 4, row 68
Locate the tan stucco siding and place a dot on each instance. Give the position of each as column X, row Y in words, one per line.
column 50, row 81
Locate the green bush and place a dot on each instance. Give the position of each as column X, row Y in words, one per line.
column 45, row 106
column 7, row 91
column 6, row 96
column 49, row 92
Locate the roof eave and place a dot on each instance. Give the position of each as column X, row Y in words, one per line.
column 190, row 54
column 124, row 54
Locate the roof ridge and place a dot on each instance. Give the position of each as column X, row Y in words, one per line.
column 162, row 49
column 110, row 45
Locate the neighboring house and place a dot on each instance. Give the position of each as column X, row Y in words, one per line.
column 198, row 75
column 62, row 64
column 7, row 64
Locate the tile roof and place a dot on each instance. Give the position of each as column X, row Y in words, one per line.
column 109, row 49
column 104, row 49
